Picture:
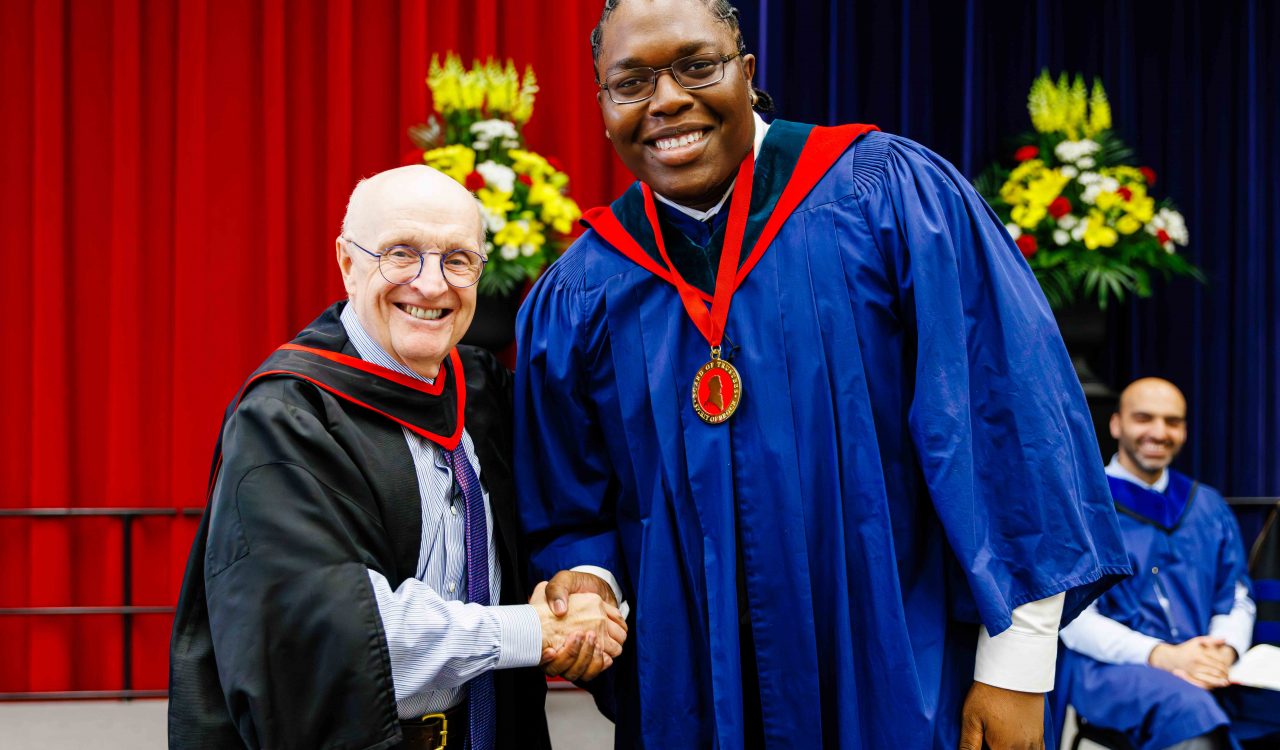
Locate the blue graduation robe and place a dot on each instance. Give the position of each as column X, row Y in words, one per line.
column 912, row 456
column 1187, row 557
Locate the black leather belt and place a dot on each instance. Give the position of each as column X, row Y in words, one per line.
column 436, row 731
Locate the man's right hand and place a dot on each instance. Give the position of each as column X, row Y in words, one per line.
column 584, row 639
column 1199, row 661
column 568, row 582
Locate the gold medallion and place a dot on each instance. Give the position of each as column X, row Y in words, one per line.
column 717, row 390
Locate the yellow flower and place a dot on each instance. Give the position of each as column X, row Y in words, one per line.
column 1108, row 200
column 495, row 201
column 1096, row 232
column 1028, row 215
column 473, row 87
column 455, row 160
column 1128, row 225
column 515, row 233
column 1067, row 107
column 561, row 214
column 1099, row 111
column 529, row 163
column 444, row 82
column 1142, row 209
column 535, row 236
column 1046, row 186
column 523, row 108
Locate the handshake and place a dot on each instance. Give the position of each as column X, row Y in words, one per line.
column 582, row 629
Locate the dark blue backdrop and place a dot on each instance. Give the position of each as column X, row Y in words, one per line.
column 1195, row 89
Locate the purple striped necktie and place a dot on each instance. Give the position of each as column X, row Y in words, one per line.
column 480, row 694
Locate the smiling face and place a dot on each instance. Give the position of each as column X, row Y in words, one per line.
column 686, row 145
column 417, row 323
column 1151, row 427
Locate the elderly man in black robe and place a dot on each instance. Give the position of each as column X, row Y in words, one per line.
column 356, row 579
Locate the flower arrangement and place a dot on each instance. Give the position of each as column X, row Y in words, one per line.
column 475, row 138
column 1075, row 205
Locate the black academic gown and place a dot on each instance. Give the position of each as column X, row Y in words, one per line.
column 277, row 641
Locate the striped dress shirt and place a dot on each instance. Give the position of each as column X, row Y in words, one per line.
column 436, row 640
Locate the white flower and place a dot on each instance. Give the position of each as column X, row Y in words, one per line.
column 480, row 145
column 1067, row 221
column 510, row 252
column 1077, row 152
column 527, row 250
column 1173, row 225
column 1068, row 171
column 493, row 222
column 492, row 130
column 497, row 176
column 510, row 143
column 1089, row 178
column 1014, row 231
column 1061, row 237
column 1110, row 184
column 1090, row 194
column 1077, row 234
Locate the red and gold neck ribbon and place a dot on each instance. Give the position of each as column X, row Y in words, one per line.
column 711, row 322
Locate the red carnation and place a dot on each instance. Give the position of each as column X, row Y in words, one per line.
column 1026, row 152
column 1162, row 236
column 526, row 180
column 1148, row 174
column 1060, row 207
column 1125, row 193
column 475, row 181
column 1027, row 244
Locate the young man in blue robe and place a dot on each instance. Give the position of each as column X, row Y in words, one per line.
column 819, row 499
column 1150, row 657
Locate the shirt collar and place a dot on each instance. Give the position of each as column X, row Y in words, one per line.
column 762, row 127
column 368, row 349
column 1115, row 469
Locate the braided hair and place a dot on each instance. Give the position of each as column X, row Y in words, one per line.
column 722, row 10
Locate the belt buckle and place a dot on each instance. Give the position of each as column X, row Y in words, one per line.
column 444, row 728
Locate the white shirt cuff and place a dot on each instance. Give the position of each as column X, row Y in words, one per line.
column 1236, row 628
column 519, row 636
column 1024, row 656
column 609, row 578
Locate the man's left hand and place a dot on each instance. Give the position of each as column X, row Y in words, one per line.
column 1003, row 719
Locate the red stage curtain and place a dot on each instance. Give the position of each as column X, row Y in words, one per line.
column 174, row 175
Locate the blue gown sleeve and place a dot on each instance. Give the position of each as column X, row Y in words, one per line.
column 998, row 419
column 565, row 479
column 1232, row 564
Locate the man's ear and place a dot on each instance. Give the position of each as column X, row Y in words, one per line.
column 1115, row 426
column 749, row 66
column 344, row 264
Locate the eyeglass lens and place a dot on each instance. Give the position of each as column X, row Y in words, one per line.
column 401, row 265
column 693, row 72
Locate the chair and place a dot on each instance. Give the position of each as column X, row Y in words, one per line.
column 1108, row 738
column 1264, row 569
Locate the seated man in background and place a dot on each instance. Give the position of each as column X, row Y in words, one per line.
column 354, row 581
column 1150, row 657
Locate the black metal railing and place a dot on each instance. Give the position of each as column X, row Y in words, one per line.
column 126, row 610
